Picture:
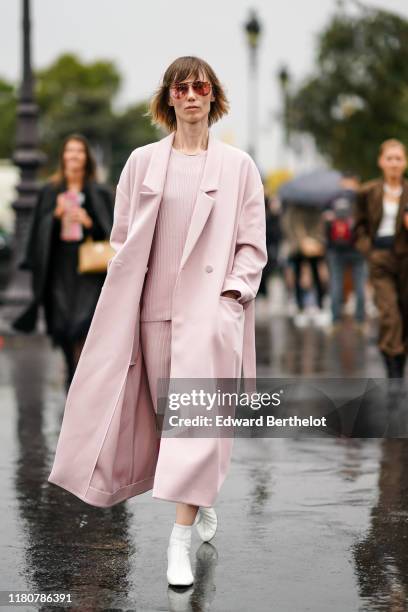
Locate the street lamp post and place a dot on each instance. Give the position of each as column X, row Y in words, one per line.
column 253, row 31
column 28, row 158
column 284, row 79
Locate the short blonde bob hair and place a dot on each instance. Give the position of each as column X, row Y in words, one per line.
column 183, row 67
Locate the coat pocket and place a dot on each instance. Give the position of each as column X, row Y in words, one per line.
column 229, row 338
column 228, row 300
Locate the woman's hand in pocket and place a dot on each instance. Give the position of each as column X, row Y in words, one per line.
column 235, row 295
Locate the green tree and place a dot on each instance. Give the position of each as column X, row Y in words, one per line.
column 132, row 129
column 78, row 97
column 8, row 106
column 74, row 97
column 358, row 96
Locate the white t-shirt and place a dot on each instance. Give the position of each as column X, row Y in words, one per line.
column 389, row 217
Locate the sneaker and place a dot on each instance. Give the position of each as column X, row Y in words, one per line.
column 301, row 319
column 321, row 318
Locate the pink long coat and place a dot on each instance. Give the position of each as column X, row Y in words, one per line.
column 108, row 449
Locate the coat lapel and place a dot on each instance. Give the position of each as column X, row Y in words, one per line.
column 377, row 212
column 402, row 204
column 378, row 197
column 154, row 181
column 206, row 196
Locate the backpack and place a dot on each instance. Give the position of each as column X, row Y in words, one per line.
column 340, row 228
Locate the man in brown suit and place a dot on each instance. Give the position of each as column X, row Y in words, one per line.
column 381, row 233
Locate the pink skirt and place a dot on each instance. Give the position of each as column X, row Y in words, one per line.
column 188, row 470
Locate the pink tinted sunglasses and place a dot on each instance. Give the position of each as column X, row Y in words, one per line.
column 180, row 90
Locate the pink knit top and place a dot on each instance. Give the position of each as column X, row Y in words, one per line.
column 180, row 192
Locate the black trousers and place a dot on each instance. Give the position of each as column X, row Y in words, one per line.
column 298, row 260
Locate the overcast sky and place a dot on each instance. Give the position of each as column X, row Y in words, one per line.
column 142, row 38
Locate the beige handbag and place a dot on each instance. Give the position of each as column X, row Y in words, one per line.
column 94, row 255
column 310, row 247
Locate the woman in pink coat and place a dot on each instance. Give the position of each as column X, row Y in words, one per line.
column 177, row 303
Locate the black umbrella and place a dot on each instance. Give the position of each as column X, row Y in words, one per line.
column 315, row 188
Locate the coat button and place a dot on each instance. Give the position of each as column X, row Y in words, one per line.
column 209, row 268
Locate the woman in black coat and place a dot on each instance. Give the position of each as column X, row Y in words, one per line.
column 68, row 297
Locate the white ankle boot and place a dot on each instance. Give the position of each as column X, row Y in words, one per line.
column 206, row 523
column 179, row 571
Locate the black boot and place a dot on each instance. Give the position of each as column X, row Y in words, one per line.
column 401, row 360
column 395, row 371
column 388, row 364
column 394, row 365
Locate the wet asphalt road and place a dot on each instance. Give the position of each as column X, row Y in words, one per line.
column 304, row 524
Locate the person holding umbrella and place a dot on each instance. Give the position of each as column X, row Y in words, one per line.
column 381, row 231
column 305, row 198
